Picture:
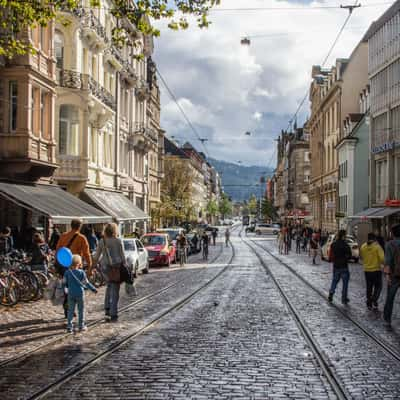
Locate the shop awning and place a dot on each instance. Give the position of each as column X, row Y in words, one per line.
column 376, row 213
column 115, row 204
column 50, row 200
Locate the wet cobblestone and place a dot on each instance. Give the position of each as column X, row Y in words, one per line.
column 30, row 325
column 20, row 379
column 364, row 368
column 235, row 340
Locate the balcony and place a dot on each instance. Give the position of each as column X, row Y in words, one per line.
column 93, row 31
column 76, row 80
column 142, row 138
column 114, row 57
column 72, row 168
column 142, row 90
column 129, row 74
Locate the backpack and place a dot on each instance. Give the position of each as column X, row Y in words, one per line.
column 396, row 259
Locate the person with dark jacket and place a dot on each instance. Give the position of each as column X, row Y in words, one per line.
column 54, row 238
column 40, row 254
column 339, row 254
column 392, row 272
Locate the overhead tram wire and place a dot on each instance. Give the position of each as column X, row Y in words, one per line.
column 173, row 97
column 350, row 8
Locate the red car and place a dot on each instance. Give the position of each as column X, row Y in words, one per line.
column 160, row 250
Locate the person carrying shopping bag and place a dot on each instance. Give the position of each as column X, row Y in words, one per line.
column 111, row 255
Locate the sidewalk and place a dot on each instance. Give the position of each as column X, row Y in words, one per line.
column 320, row 275
column 30, row 325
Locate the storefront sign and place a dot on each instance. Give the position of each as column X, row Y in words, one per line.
column 385, row 147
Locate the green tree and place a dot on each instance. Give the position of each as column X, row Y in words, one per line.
column 225, row 206
column 212, row 208
column 17, row 16
column 176, row 192
column 267, row 209
column 252, row 205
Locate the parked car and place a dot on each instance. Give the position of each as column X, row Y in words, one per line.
column 172, row 233
column 351, row 241
column 195, row 245
column 270, row 229
column 160, row 249
column 136, row 256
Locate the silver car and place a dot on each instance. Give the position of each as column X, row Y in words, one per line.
column 136, row 256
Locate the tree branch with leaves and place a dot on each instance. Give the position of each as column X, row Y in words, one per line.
column 17, row 16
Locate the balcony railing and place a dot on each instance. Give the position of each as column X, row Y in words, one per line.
column 91, row 22
column 76, row 80
column 142, row 90
column 72, row 168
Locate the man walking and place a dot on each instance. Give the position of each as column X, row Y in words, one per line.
column 79, row 245
column 214, row 235
column 392, row 272
column 227, row 237
column 372, row 257
column 339, row 254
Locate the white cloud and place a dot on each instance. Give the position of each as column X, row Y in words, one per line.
column 220, row 83
column 257, row 116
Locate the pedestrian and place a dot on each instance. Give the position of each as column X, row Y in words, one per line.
column 6, row 241
column 75, row 282
column 214, row 234
column 314, row 247
column 380, row 239
column 54, row 238
column 392, row 272
column 78, row 244
column 298, row 241
column 339, row 254
column 280, row 241
column 227, row 237
column 40, row 254
column 92, row 239
column 111, row 255
column 372, row 257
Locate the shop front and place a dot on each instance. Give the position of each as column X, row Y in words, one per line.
column 373, row 219
column 39, row 207
column 127, row 215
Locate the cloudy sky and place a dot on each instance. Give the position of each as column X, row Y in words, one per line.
column 227, row 89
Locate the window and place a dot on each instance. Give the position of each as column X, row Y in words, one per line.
column 307, row 156
column 381, row 180
column 59, row 49
column 13, row 99
column 69, row 128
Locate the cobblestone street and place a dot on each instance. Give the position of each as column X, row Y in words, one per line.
column 223, row 331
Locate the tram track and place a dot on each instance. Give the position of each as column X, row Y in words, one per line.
column 128, row 307
column 379, row 341
column 77, row 370
column 323, row 361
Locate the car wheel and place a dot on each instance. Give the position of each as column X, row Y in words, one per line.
column 136, row 270
column 146, row 268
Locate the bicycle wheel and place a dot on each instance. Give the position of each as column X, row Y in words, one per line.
column 27, row 285
column 8, row 294
column 43, row 281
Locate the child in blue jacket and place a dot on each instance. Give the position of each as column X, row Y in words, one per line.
column 76, row 281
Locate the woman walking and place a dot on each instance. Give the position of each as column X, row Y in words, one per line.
column 110, row 252
column 40, row 254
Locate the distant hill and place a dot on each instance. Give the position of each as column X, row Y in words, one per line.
column 245, row 177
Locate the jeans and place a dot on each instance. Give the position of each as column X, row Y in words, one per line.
column 391, row 294
column 338, row 274
column 111, row 299
column 374, row 286
column 79, row 301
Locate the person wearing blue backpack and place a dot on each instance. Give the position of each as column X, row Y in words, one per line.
column 76, row 281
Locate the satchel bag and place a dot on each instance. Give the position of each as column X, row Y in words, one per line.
column 58, row 296
column 113, row 270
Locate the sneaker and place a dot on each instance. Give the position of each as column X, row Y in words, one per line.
column 114, row 319
column 83, row 328
column 345, row 301
column 369, row 305
column 330, row 297
column 375, row 305
column 107, row 312
column 388, row 324
column 70, row 330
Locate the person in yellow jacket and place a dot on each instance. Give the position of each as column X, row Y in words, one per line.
column 372, row 257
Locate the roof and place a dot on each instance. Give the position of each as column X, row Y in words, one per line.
column 385, row 17
column 171, row 149
column 52, row 201
column 115, row 204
